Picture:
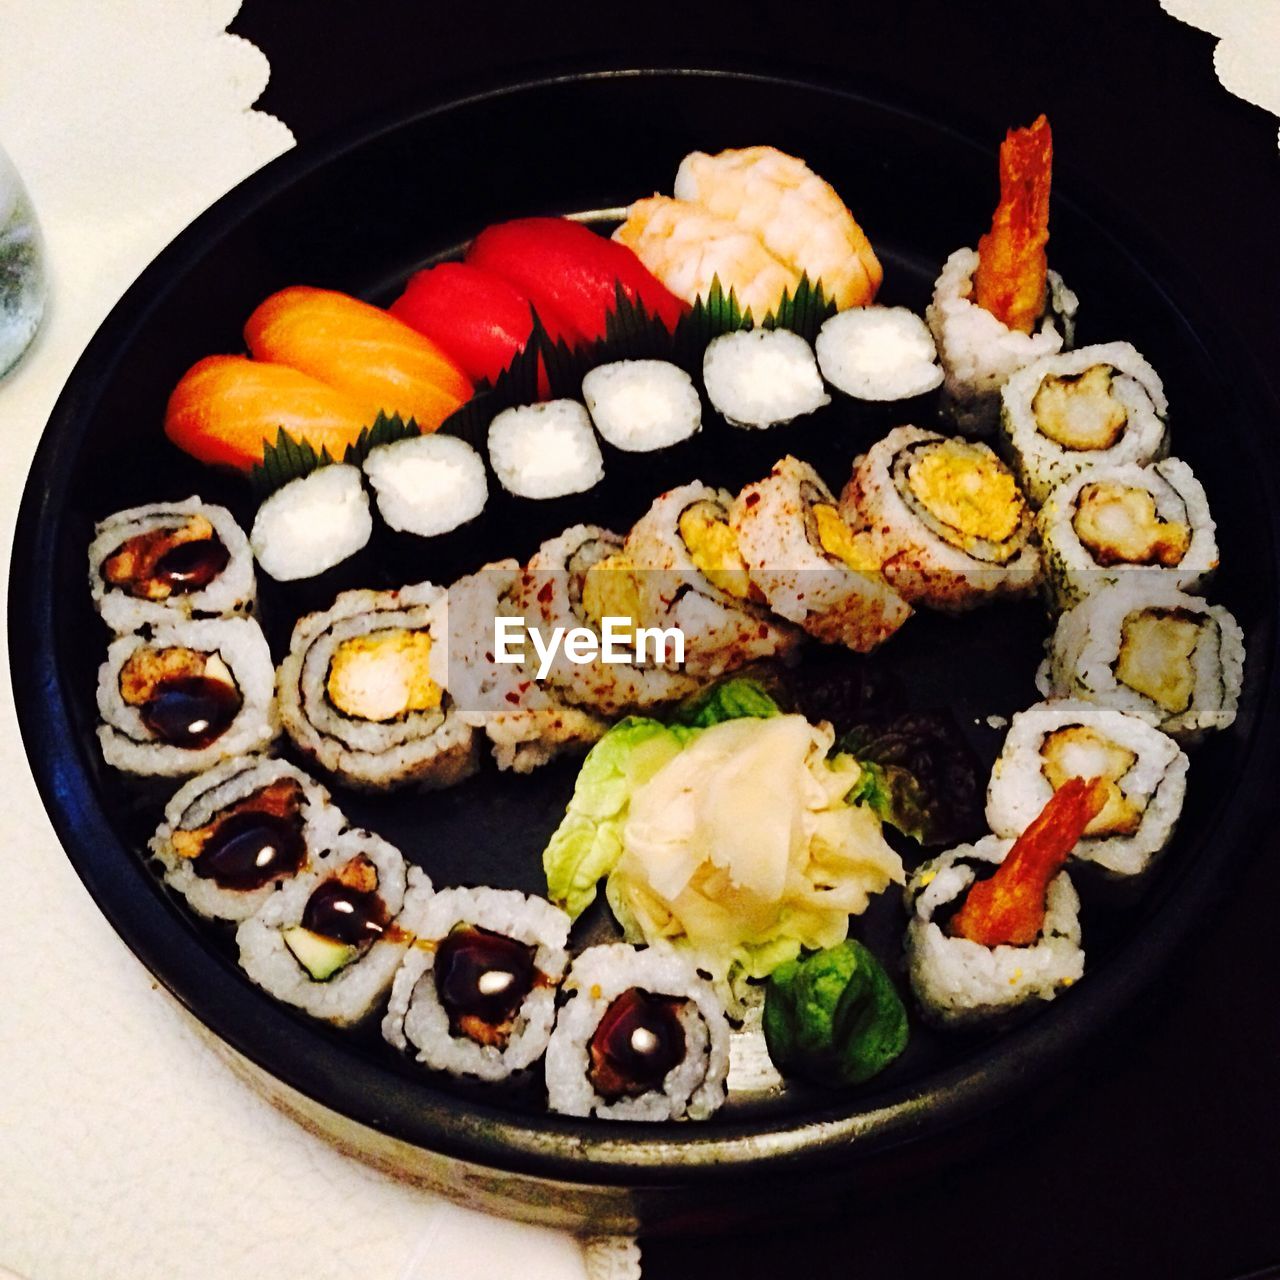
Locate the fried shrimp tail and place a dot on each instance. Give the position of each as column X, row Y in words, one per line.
column 1012, row 265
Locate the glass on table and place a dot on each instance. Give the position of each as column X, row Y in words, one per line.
column 22, row 282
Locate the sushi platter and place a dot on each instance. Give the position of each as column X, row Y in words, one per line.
column 959, row 571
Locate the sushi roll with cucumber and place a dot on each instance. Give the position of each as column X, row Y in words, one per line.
column 944, row 518
column 364, row 691
column 1145, row 647
column 691, row 575
column 329, row 942
column 526, row 722
column 1097, row 406
column 642, row 405
column 999, row 307
column 1143, row 772
column 168, row 561
column 580, row 579
column 759, row 378
column 809, row 565
column 878, row 353
column 476, row 993
column 640, row 1037
column 994, row 927
column 1108, row 522
column 234, row 835
column 190, row 694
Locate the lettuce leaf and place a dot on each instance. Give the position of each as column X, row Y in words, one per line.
column 588, row 841
column 730, row 700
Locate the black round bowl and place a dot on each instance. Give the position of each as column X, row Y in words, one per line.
column 359, row 215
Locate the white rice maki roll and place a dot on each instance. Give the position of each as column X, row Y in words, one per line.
column 427, row 485
column 526, row 722
column 1096, row 406
column 960, row 982
column 878, row 353
column 691, row 575
column 1107, row 522
column 807, row 563
column 189, row 695
column 329, row 942
column 476, row 993
column 1145, row 647
column 641, row 405
column 762, row 377
column 1143, row 770
column 641, row 1037
column 579, row 580
column 312, row 524
column 168, row 561
column 546, row 450
column 944, row 518
column 979, row 352
column 364, row 691
column 232, row 836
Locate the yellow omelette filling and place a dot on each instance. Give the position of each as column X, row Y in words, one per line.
column 1081, row 752
column 1120, row 525
column 1078, row 410
column 969, row 490
column 383, row 675
column 610, row 589
column 1156, row 647
column 713, row 548
column 840, row 542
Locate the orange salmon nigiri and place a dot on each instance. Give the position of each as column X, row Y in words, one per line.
column 1009, row 908
column 1012, row 266
column 225, row 407
column 361, row 351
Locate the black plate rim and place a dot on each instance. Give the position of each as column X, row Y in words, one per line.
column 553, row 1147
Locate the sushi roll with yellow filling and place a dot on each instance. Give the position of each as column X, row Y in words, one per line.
column 184, row 698
column 1149, row 649
column 1098, row 406
column 231, row 837
column 945, row 519
column 1109, row 522
column 579, row 580
column 364, row 691
column 691, row 575
column 329, row 942
column 168, row 561
column 1143, row 771
column 476, row 993
column 526, row 722
column 641, row 1037
column 807, row 563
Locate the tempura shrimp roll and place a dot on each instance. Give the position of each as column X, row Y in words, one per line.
column 1098, row 406
column 945, row 518
column 1150, row 649
column 995, row 926
column 364, row 691
column 476, row 993
column 999, row 307
column 231, row 837
column 168, row 561
column 329, row 942
column 691, row 575
column 1109, row 522
column 580, row 579
column 526, row 722
column 189, row 695
column 1143, row 771
column 641, row 1037
column 809, row 565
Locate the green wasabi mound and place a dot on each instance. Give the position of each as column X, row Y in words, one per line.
column 834, row 1017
